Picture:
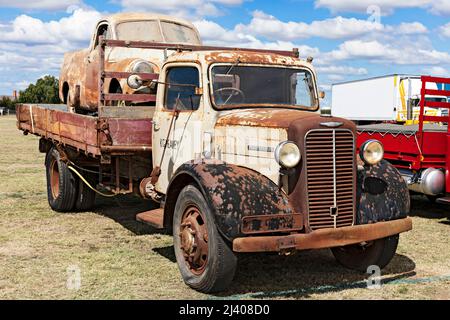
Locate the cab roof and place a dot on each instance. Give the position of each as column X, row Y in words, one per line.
column 245, row 57
column 134, row 16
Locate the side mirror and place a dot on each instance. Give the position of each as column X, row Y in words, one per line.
column 322, row 95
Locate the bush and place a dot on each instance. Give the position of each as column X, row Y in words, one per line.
column 44, row 91
column 7, row 103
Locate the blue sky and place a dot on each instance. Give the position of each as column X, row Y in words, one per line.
column 349, row 39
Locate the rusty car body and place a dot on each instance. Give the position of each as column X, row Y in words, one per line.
column 237, row 154
column 80, row 69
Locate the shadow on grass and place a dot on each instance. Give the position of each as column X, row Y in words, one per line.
column 303, row 274
column 264, row 275
column 269, row 275
column 123, row 210
column 423, row 208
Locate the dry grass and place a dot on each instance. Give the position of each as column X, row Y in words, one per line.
column 120, row 258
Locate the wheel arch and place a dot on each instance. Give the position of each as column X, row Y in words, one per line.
column 232, row 192
column 65, row 92
column 382, row 194
column 114, row 85
column 180, row 180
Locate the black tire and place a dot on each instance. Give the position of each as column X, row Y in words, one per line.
column 359, row 257
column 85, row 196
column 215, row 272
column 61, row 184
column 432, row 199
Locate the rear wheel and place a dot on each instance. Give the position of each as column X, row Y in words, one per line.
column 360, row 256
column 205, row 260
column 85, row 196
column 61, row 184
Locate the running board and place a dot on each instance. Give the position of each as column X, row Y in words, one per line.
column 154, row 218
column 445, row 200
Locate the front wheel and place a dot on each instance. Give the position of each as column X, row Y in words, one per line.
column 360, row 256
column 206, row 262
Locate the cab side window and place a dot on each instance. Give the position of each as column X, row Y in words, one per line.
column 180, row 88
column 103, row 30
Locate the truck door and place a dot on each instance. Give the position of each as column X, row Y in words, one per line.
column 90, row 88
column 178, row 120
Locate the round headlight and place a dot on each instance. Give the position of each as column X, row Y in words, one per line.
column 287, row 154
column 142, row 66
column 372, row 152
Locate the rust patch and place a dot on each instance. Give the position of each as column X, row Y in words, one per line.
column 262, row 117
column 272, row 223
column 236, row 192
column 324, row 238
column 382, row 194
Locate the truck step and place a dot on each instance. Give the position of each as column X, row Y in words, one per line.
column 445, row 200
column 155, row 218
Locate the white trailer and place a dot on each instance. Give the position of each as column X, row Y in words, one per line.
column 388, row 98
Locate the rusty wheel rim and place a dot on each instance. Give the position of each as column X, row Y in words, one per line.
column 194, row 240
column 54, row 178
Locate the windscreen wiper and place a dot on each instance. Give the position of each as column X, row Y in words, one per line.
column 233, row 65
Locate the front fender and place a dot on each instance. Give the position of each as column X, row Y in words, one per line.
column 382, row 194
column 235, row 192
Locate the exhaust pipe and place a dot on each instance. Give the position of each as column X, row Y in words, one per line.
column 430, row 182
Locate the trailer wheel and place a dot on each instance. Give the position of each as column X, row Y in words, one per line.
column 359, row 257
column 85, row 196
column 61, row 184
column 206, row 262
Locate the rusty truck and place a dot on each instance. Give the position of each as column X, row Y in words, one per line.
column 231, row 144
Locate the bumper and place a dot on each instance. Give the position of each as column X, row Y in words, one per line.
column 324, row 238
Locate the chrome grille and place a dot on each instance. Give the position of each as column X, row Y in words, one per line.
column 330, row 169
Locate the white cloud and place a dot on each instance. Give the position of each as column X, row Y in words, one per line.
column 31, row 46
column 342, row 70
column 387, row 6
column 214, row 34
column 445, row 30
column 408, row 28
column 436, row 71
column 76, row 28
column 440, row 7
column 396, row 53
column 190, row 9
column 266, row 25
column 40, row 5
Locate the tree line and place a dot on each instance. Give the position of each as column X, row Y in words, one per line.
column 45, row 90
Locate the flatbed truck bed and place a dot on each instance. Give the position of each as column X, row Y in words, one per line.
column 96, row 136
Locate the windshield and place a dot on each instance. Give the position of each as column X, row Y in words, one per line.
column 254, row 86
column 150, row 31
column 177, row 33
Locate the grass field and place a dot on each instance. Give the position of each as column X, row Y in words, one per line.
column 119, row 258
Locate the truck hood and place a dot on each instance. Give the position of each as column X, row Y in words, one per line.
column 277, row 118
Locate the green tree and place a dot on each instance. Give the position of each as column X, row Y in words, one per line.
column 44, row 91
column 7, row 103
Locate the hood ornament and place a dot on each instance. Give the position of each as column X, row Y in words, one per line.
column 331, row 124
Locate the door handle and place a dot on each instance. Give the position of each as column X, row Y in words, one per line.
column 155, row 125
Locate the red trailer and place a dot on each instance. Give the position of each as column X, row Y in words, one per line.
column 420, row 152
